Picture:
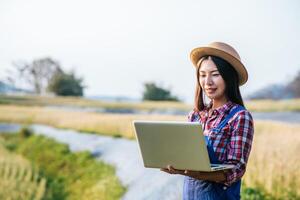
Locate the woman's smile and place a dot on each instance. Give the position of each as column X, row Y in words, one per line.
column 211, row 90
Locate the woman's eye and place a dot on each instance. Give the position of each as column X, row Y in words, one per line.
column 216, row 74
column 202, row 75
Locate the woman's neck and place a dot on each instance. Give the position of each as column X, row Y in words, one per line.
column 216, row 103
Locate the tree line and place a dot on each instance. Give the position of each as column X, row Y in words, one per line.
column 45, row 75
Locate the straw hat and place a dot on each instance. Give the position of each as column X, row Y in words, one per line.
column 224, row 51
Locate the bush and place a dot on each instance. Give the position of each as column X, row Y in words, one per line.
column 64, row 84
column 155, row 93
column 25, row 132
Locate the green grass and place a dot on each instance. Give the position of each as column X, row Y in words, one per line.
column 259, row 193
column 19, row 180
column 74, row 176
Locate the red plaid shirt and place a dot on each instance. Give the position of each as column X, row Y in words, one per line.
column 232, row 144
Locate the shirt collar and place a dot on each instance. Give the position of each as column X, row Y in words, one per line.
column 222, row 109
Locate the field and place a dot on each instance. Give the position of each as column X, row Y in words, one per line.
column 274, row 164
column 104, row 124
column 273, row 168
column 253, row 105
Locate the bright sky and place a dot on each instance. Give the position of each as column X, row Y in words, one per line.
column 118, row 45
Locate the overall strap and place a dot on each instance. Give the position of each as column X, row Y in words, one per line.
column 228, row 117
column 211, row 153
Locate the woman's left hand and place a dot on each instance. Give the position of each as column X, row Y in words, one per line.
column 171, row 170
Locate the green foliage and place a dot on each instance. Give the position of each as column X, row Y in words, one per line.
column 155, row 93
column 69, row 175
column 258, row 193
column 25, row 132
column 249, row 193
column 64, row 84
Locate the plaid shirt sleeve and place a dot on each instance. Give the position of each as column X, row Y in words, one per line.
column 239, row 145
column 193, row 116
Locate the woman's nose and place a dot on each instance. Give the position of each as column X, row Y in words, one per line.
column 208, row 80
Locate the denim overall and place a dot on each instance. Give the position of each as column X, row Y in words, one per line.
column 195, row 189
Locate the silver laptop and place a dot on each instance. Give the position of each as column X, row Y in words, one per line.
column 180, row 144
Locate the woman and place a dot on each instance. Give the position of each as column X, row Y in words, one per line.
column 227, row 125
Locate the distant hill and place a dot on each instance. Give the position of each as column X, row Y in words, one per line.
column 113, row 98
column 274, row 91
column 279, row 91
column 9, row 89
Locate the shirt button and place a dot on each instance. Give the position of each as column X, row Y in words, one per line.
column 224, row 188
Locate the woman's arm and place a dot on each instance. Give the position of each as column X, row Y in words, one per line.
column 217, row 176
column 239, row 146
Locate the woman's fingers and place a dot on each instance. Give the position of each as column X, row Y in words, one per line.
column 165, row 170
column 175, row 171
column 171, row 170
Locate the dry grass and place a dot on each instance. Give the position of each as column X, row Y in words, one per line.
column 253, row 105
column 269, row 105
column 82, row 102
column 274, row 164
column 106, row 124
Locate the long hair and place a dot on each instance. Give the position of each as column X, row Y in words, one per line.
column 230, row 77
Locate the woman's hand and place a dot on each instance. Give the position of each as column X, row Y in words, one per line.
column 170, row 170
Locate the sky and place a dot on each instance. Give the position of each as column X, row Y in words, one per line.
column 117, row 45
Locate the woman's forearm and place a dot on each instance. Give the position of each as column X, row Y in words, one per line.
column 218, row 176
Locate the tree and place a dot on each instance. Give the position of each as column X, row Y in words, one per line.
column 155, row 93
column 37, row 73
column 64, row 84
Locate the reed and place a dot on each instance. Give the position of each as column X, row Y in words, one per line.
column 18, row 179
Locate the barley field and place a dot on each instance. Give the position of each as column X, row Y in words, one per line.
column 18, row 179
column 274, row 164
column 105, row 124
column 273, row 168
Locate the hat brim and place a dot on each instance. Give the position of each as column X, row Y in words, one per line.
column 198, row 53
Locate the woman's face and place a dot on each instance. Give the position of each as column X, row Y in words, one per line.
column 211, row 80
